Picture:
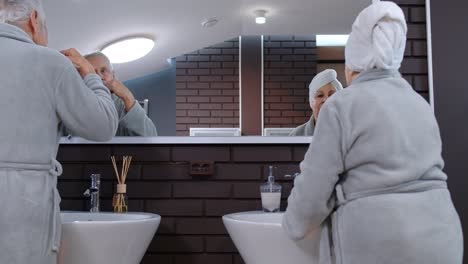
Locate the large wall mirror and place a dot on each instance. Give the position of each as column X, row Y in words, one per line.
column 190, row 82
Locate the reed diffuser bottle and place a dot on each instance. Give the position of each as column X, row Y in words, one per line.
column 120, row 199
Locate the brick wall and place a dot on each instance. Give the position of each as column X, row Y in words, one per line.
column 207, row 87
column 191, row 230
column 414, row 67
column 290, row 62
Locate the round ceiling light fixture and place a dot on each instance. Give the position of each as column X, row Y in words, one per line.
column 128, row 49
column 260, row 17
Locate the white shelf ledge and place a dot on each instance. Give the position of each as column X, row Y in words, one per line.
column 193, row 140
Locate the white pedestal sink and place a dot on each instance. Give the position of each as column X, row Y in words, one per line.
column 100, row 238
column 260, row 239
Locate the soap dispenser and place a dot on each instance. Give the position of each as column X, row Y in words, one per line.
column 270, row 193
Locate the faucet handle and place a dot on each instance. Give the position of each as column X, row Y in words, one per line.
column 293, row 176
column 87, row 193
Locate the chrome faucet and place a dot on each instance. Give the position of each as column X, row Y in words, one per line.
column 93, row 193
column 292, row 176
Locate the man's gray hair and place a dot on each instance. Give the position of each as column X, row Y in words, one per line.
column 12, row 11
column 99, row 54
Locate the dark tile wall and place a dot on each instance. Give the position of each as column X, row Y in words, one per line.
column 207, row 87
column 290, row 62
column 159, row 181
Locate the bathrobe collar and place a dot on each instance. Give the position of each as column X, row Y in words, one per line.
column 14, row 32
column 375, row 74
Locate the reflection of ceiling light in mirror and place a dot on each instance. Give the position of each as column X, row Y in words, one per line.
column 332, row 40
column 260, row 17
column 129, row 49
column 210, row 22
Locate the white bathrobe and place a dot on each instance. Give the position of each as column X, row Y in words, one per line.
column 372, row 179
column 39, row 90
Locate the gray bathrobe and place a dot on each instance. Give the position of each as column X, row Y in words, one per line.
column 39, row 90
column 372, row 180
column 135, row 122
column 306, row 129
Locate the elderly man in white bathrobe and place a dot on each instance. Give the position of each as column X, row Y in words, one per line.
column 41, row 90
column 323, row 86
column 372, row 180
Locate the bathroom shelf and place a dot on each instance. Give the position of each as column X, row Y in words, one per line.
column 193, row 140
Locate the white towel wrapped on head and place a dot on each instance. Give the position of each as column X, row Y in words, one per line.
column 378, row 38
column 323, row 78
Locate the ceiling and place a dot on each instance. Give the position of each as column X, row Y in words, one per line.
column 175, row 25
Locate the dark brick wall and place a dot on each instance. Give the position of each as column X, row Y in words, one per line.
column 207, row 87
column 290, row 62
column 414, row 66
column 191, row 230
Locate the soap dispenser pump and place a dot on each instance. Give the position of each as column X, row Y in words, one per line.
column 270, row 193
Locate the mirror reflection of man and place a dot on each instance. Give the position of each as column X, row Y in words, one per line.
column 133, row 120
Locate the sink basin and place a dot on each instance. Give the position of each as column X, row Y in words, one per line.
column 260, row 239
column 96, row 238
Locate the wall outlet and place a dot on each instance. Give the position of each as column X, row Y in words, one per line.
column 201, row 168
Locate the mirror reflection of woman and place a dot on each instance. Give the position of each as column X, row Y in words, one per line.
column 322, row 87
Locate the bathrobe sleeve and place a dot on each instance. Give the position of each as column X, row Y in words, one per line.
column 312, row 198
column 135, row 122
column 306, row 129
column 85, row 106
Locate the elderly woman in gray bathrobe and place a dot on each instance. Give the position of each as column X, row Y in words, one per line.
column 322, row 86
column 371, row 183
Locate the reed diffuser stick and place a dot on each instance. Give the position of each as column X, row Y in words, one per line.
column 115, row 168
column 119, row 202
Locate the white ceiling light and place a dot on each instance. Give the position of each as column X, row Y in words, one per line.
column 332, row 40
column 129, row 49
column 260, row 17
